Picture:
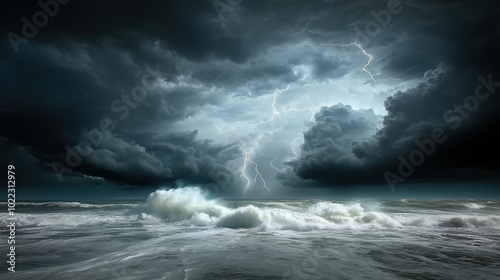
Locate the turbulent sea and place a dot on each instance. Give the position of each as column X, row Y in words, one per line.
column 180, row 234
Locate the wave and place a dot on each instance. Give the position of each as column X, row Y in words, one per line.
column 189, row 206
column 66, row 220
column 444, row 205
column 182, row 203
column 59, row 204
column 474, row 205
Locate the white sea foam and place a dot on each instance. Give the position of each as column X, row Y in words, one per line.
column 65, row 220
column 182, row 204
column 190, row 206
column 474, row 205
column 72, row 204
column 182, row 234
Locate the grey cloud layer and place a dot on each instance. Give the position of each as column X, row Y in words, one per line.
column 91, row 54
column 469, row 150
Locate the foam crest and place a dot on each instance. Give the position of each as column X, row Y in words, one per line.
column 474, row 205
column 65, row 220
column 335, row 212
column 189, row 206
column 182, row 204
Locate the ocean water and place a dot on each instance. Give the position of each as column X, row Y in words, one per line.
column 180, row 234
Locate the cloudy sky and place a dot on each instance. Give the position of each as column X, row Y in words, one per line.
column 252, row 97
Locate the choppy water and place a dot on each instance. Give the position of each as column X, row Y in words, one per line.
column 179, row 234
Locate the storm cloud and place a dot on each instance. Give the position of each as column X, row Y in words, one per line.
column 179, row 90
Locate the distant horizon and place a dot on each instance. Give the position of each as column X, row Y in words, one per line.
column 427, row 191
column 264, row 97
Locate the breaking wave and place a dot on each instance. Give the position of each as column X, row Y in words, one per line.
column 189, row 206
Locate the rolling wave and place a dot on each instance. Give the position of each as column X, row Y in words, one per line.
column 190, row 206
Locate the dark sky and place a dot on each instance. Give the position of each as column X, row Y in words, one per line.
column 240, row 95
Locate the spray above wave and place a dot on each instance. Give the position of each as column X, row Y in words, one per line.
column 181, row 204
column 190, row 206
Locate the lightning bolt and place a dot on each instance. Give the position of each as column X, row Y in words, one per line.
column 400, row 74
column 276, row 168
column 273, row 105
column 295, row 155
column 247, row 154
column 370, row 58
column 311, row 108
column 250, row 150
column 293, row 147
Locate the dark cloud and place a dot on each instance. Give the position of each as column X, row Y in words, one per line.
column 466, row 148
column 92, row 54
column 123, row 159
column 327, row 153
